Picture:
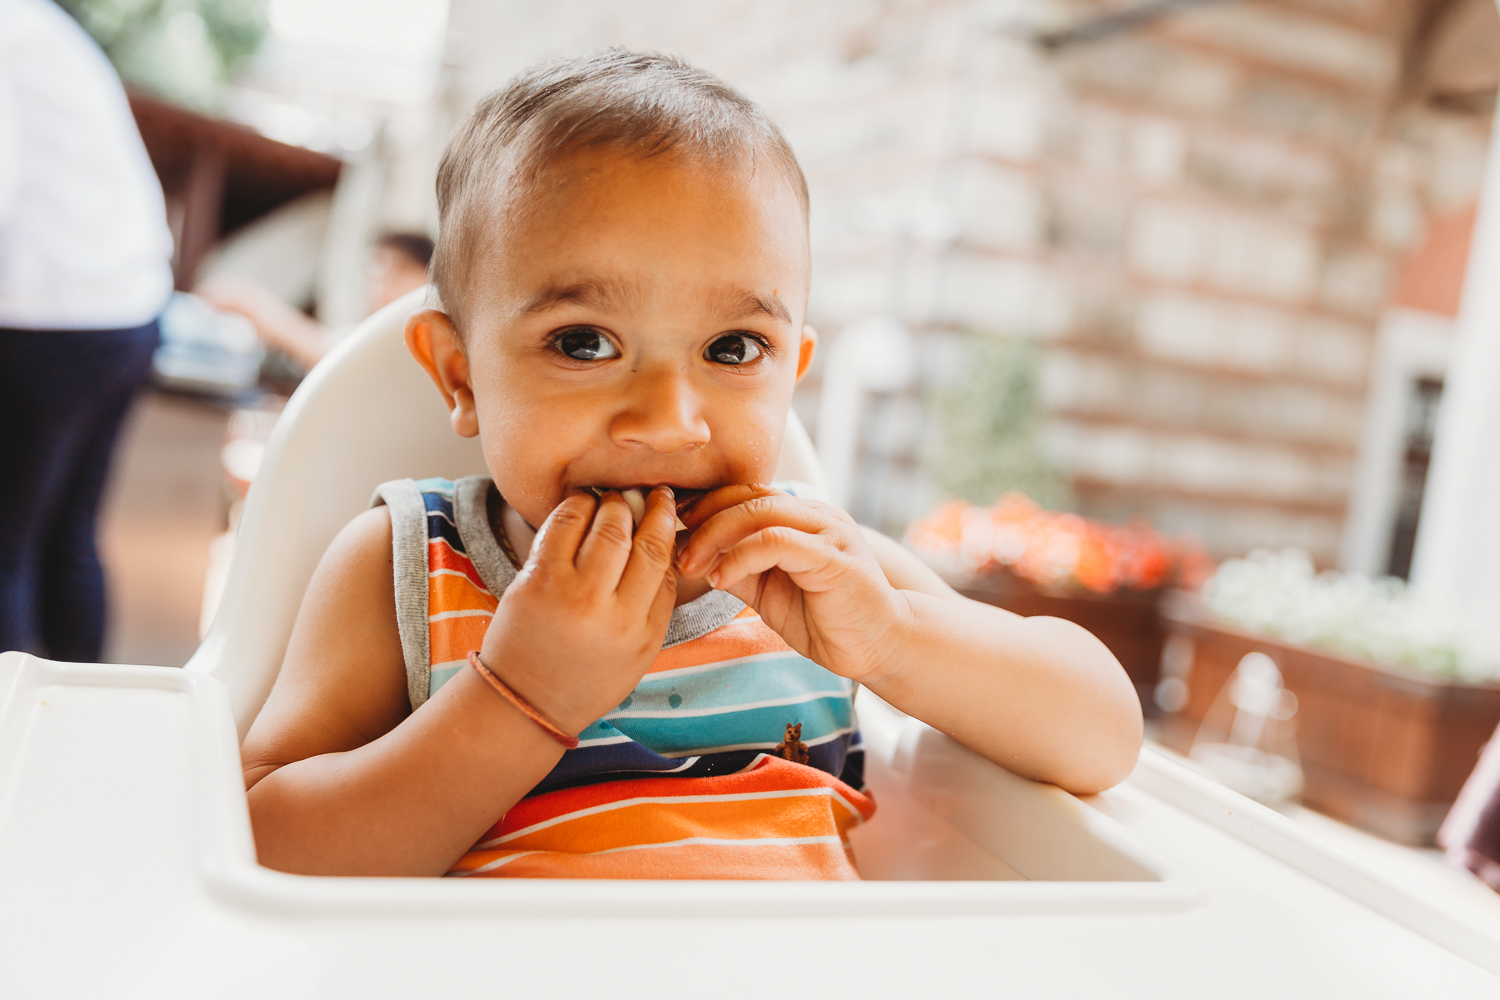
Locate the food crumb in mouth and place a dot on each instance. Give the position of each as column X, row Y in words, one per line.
column 635, row 499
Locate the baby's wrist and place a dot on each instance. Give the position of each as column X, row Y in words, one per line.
column 568, row 740
column 890, row 658
column 542, row 692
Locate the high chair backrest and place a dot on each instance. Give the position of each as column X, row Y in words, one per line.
column 366, row 414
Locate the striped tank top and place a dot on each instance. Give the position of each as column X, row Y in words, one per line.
column 735, row 756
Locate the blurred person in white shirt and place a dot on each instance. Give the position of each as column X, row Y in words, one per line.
column 85, row 270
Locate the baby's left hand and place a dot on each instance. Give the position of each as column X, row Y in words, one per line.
column 804, row 566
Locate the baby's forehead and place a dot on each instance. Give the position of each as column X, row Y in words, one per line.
column 549, row 184
column 568, row 226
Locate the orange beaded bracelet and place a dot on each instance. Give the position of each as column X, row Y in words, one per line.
column 552, row 730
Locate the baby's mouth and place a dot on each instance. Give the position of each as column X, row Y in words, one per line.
column 635, row 498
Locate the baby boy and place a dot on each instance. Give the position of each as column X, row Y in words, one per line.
column 508, row 675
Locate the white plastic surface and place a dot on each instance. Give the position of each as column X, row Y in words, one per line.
column 126, row 870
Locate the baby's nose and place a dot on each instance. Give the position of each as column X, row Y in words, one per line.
column 664, row 414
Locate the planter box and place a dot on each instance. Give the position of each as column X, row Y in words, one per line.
column 1126, row 622
column 1381, row 749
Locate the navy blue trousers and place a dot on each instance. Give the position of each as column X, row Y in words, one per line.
column 63, row 396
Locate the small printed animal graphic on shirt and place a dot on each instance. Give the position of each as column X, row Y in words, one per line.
column 792, row 748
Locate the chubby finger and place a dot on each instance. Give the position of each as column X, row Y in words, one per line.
column 814, row 562
column 710, row 503
column 651, row 552
column 659, row 617
column 558, row 538
column 729, row 527
column 606, row 547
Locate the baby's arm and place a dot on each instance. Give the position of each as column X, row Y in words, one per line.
column 344, row 779
column 1054, row 704
column 1040, row 696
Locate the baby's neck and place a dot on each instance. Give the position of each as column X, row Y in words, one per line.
column 521, row 535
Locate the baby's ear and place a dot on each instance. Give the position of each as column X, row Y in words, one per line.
column 806, row 350
column 433, row 342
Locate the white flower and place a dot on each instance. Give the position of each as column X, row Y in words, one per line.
column 1380, row 620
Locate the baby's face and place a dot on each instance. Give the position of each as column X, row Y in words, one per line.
column 641, row 323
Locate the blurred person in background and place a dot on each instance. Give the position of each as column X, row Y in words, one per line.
column 85, row 269
column 399, row 266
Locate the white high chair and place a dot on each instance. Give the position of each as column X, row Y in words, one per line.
column 127, row 866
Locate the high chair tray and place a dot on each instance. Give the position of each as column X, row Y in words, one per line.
column 127, row 869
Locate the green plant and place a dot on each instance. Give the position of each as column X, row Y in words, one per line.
column 183, row 50
column 989, row 420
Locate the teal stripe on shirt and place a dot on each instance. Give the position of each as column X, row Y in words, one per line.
column 443, row 487
column 763, row 678
column 441, row 676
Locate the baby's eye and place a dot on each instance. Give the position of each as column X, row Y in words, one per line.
column 734, row 349
column 584, row 344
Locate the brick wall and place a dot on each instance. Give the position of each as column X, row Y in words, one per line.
column 1199, row 219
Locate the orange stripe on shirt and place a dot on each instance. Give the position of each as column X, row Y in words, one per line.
column 456, row 593
column 745, row 635
column 440, row 555
column 748, row 860
column 794, row 813
column 452, row 638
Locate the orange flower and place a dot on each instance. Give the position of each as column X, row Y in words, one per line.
column 1055, row 549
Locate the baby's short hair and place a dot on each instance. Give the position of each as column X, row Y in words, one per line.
column 639, row 102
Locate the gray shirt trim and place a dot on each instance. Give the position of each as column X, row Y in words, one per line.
column 409, row 562
column 701, row 616
column 471, row 512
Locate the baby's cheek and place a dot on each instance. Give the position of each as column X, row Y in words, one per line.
column 753, row 446
column 515, row 475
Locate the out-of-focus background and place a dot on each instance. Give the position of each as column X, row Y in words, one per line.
column 1146, row 314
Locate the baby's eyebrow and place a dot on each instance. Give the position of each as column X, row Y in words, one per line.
column 732, row 304
column 749, row 304
column 589, row 293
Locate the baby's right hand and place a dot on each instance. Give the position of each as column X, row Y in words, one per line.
column 586, row 616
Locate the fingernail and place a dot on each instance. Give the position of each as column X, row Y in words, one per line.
column 668, row 489
column 713, row 579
